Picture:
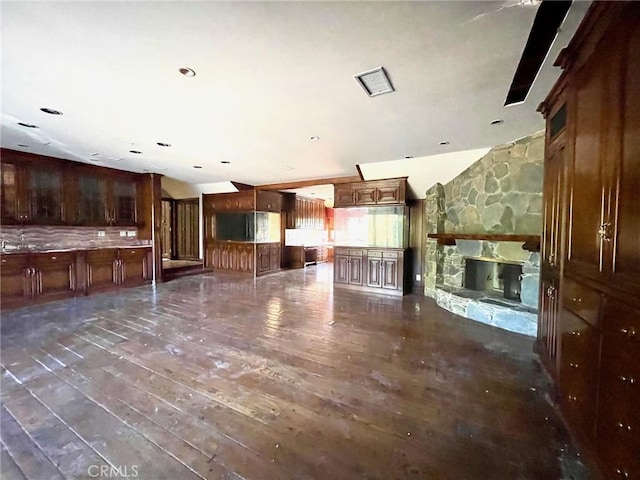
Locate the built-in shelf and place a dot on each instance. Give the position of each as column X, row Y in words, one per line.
column 530, row 242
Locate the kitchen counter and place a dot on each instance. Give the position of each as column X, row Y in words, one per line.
column 37, row 249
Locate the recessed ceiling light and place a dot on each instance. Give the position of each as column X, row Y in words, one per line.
column 225, row 162
column 187, row 72
column 28, row 125
column 137, row 152
column 23, row 145
column 497, row 121
column 197, row 166
column 164, row 144
column 375, row 82
column 315, row 137
column 408, row 156
column 51, row 111
column 444, row 142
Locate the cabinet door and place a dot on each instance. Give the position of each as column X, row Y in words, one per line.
column 548, row 321
column 264, row 260
column 45, row 195
column 390, row 194
column 553, row 211
column 356, row 270
column 102, row 269
column 122, row 211
column 625, row 241
column 55, row 275
column 365, row 195
column 92, row 200
column 390, row 274
column 341, row 268
column 578, row 375
column 12, row 195
column 133, row 265
column 14, row 280
column 587, row 188
column 274, row 254
column 344, row 196
column 374, row 269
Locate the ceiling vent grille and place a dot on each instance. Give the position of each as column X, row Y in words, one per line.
column 375, row 82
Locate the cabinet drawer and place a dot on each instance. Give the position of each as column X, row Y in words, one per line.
column 621, row 327
column 340, row 251
column 391, row 254
column 582, row 300
column 13, row 263
column 61, row 258
column 374, row 253
column 126, row 253
column 355, row 253
column 102, row 255
column 619, row 452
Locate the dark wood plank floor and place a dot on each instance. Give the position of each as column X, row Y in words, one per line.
column 216, row 376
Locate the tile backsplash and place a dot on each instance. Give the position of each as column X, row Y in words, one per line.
column 69, row 237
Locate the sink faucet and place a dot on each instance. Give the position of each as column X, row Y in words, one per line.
column 4, row 244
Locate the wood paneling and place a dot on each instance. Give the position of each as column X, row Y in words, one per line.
column 392, row 191
column 187, row 229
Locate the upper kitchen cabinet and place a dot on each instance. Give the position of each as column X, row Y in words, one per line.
column 39, row 190
column 31, row 193
column 392, row 191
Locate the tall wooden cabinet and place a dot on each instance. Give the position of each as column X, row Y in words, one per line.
column 589, row 326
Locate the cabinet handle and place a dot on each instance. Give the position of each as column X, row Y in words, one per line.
column 628, row 380
column 551, row 290
column 577, row 300
column 629, row 332
column 574, row 365
column 624, row 427
column 622, row 473
column 39, row 281
column 604, row 232
column 572, row 398
column 576, row 333
column 551, row 259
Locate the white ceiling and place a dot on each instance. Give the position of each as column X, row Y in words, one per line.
column 268, row 77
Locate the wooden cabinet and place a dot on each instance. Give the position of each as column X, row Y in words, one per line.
column 309, row 213
column 268, row 258
column 618, row 429
column 53, row 275
column 134, row 266
column 31, row 193
column 371, row 269
column 375, row 192
column 244, row 200
column 101, row 269
column 349, row 266
column 238, row 257
column 14, row 280
column 590, row 326
column 39, row 190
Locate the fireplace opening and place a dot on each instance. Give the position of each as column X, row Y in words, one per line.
column 496, row 278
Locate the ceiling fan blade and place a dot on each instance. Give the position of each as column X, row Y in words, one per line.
column 548, row 19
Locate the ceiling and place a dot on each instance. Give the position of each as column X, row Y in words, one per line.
column 269, row 76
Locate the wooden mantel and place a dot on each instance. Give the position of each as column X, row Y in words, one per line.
column 531, row 242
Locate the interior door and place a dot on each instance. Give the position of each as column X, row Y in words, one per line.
column 166, row 229
column 187, row 229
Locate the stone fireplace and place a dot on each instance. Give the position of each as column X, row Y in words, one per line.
column 492, row 278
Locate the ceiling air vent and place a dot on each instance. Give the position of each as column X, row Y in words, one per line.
column 375, row 82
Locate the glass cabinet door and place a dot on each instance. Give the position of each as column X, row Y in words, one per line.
column 124, row 197
column 9, row 193
column 92, row 200
column 45, row 195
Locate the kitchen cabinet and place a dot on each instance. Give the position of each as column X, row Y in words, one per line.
column 589, row 320
column 309, row 213
column 101, row 268
column 134, row 266
column 31, row 193
column 39, row 190
column 37, row 278
column 268, row 258
column 391, row 191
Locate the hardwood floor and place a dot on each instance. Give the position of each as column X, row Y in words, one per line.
column 281, row 377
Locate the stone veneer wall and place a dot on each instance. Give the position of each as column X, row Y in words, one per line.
column 499, row 194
